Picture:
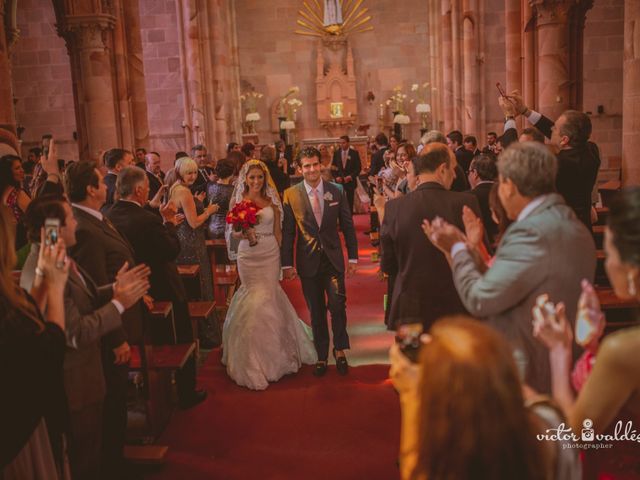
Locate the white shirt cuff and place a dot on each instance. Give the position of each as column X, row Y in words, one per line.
column 511, row 123
column 286, row 267
column 118, row 306
column 457, row 248
column 353, row 260
column 534, row 117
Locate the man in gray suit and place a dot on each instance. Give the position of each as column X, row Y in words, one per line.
column 90, row 313
column 546, row 250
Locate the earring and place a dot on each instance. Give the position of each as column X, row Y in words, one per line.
column 632, row 284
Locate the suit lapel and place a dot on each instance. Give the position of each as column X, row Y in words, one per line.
column 325, row 209
column 85, row 286
column 106, row 229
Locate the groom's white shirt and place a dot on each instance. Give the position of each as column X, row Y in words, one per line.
column 320, row 189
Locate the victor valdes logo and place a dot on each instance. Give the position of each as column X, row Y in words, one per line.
column 588, row 433
column 588, row 438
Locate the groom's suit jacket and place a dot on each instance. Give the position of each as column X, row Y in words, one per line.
column 312, row 240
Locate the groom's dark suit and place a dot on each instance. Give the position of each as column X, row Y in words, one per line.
column 319, row 258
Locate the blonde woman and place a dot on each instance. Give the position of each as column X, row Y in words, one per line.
column 191, row 232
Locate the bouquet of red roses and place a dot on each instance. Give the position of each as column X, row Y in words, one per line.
column 244, row 216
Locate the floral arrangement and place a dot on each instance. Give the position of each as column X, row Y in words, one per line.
column 421, row 92
column 288, row 107
column 250, row 99
column 243, row 217
column 397, row 102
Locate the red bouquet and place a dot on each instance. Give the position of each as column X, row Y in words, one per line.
column 244, row 216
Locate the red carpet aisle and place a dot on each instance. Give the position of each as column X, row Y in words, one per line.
column 300, row 427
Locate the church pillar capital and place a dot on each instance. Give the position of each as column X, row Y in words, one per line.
column 86, row 32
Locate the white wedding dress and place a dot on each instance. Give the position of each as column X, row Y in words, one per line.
column 263, row 339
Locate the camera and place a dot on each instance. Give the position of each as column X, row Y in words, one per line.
column 51, row 231
column 408, row 339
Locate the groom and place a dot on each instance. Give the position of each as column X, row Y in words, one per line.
column 312, row 210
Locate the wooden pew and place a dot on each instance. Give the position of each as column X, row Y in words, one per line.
column 601, row 279
column 190, row 275
column 619, row 313
column 145, row 454
column 603, row 214
column 200, row 312
column 162, row 361
column 162, row 328
column 598, row 235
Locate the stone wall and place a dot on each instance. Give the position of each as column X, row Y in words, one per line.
column 603, row 52
column 161, row 48
column 42, row 80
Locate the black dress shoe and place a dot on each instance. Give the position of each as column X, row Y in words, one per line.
column 341, row 364
column 198, row 396
column 320, row 369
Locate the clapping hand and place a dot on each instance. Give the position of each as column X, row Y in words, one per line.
column 442, row 235
column 200, row 196
column 131, row 284
column 212, row 177
column 168, row 211
column 590, row 321
column 550, row 324
column 473, row 227
column 156, row 201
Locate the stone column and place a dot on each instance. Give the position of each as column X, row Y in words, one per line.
column 513, row 44
column 456, row 56
column 136, row 88
column 529, row 55
column 91, row 64
column 471, row 109
column 447, row 64
column 8, row 139
column 435, row 64
column 554, row 89
column 631, row 94
column 190, row 70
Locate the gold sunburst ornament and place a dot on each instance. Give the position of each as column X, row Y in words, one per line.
column 334, row 17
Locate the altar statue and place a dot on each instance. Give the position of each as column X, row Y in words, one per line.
column 332, row 13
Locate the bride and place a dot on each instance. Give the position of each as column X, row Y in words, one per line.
column 263, row 339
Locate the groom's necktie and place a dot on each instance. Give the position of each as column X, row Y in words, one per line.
column 315, row 206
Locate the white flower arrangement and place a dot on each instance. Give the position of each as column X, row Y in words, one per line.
column 423, row 108
column 402, row 119
column 287, row 125
column 252, row 117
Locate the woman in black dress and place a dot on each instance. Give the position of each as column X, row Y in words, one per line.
column 219, row 193
column 191, row 232
column 33, row 404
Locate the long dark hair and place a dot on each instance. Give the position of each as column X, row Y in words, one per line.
column 624, row 223
column 473, row 422
column 10, row 292
column 6, row 172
